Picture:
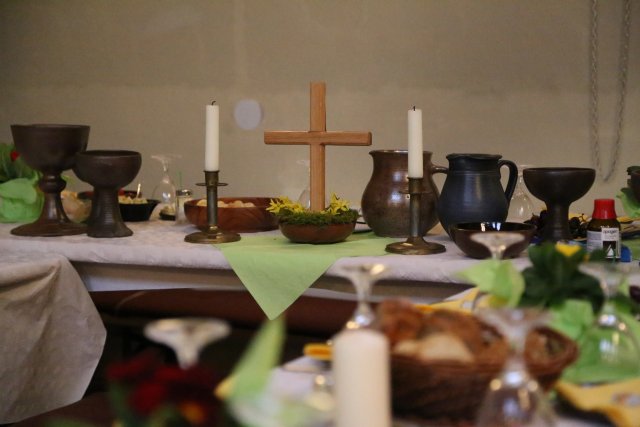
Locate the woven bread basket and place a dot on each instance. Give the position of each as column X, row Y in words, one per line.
column 451, row 391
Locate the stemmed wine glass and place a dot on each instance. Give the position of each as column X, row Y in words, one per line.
column 165, row 191
column 514, row 397
column 608, row 350
column 187, row 336
column 362, row 276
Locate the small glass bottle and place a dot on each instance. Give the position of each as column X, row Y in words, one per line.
column 603, row 231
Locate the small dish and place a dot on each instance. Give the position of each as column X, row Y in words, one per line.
column 137, row 212
column 461, row 236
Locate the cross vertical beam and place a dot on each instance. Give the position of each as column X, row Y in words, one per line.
column 317, row 138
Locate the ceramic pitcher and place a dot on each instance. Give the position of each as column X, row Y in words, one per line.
column 385, row 202
column 472, row 191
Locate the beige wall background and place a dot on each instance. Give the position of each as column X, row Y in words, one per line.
column 494, row 76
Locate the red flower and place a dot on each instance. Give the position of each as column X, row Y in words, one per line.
column 14, row 155
column 148, row 397
column 140, row 368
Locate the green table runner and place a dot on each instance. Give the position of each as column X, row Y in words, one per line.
column 276, row 272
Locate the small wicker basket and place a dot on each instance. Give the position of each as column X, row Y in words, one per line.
column 452, row 391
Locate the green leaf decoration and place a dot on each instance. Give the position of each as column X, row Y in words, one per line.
column 251, row 374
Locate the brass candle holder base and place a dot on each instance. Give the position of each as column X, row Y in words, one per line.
column 415, row 244
column 213, row 233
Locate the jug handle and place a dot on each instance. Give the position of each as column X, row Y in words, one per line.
column 513, row 178
column 438, row 169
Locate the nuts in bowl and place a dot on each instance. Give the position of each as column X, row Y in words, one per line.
column 235, row 214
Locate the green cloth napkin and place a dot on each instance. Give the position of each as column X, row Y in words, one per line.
column 276, row 272
column 19, row 200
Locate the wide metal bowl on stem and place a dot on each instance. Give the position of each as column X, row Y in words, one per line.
column 558, row 187
column 108, row 171
column 50, row 149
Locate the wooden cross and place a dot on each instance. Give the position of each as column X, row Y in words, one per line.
column 317, row 138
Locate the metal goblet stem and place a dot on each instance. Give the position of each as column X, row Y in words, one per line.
column 213, row 233
column 415, row 244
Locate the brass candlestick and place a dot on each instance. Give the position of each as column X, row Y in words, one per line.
column 213, row 234
column 415, row 244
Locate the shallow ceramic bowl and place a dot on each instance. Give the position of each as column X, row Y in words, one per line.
column 238, row 220
column 317, row 234
column 461, row 235
column 634, row 184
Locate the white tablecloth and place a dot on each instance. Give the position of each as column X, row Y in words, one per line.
column 52, row 335
column 161, row 243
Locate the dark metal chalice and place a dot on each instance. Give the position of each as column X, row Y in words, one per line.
column 558, row 188
column 108, row 171
column 50, row 149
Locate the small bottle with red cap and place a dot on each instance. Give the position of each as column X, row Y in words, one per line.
column 603, row 231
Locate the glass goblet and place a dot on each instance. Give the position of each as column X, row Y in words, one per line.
column 514, row 397
column 362, row 276
column 608, row 350
column 165, row 191
column 187, row 336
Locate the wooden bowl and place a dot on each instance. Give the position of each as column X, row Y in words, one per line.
column 461, row 235
column 317, row 234
column 238, row 220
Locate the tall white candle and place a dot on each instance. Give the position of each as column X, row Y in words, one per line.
column 415, row 143
column 212, row 138
column 361, row 379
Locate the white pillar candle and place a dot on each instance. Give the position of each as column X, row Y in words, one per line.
column 415, row 143
column 212, row 138
column 361, row 379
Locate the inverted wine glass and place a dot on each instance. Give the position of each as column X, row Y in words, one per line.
column 608, row 350
column 187, row 336
column 514, row 397
column 520, row 206
column 165, row 191
column 497, row 241
column 362, row 276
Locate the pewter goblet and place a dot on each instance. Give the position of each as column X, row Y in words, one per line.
column 50, row 149
column 108, row 171
column 558, row 188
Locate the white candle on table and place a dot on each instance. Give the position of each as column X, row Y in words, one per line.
column 361, row 379
column 212, row 138
column 415, row 143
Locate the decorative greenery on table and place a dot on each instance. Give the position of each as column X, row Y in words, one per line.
column 20, row 199
column 289, row 212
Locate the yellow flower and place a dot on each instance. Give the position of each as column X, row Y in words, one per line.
column 337, row 205
column 284, row 203
column 567, row 250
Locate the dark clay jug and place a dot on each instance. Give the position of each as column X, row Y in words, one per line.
column 385, row 202
column 472, row 191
